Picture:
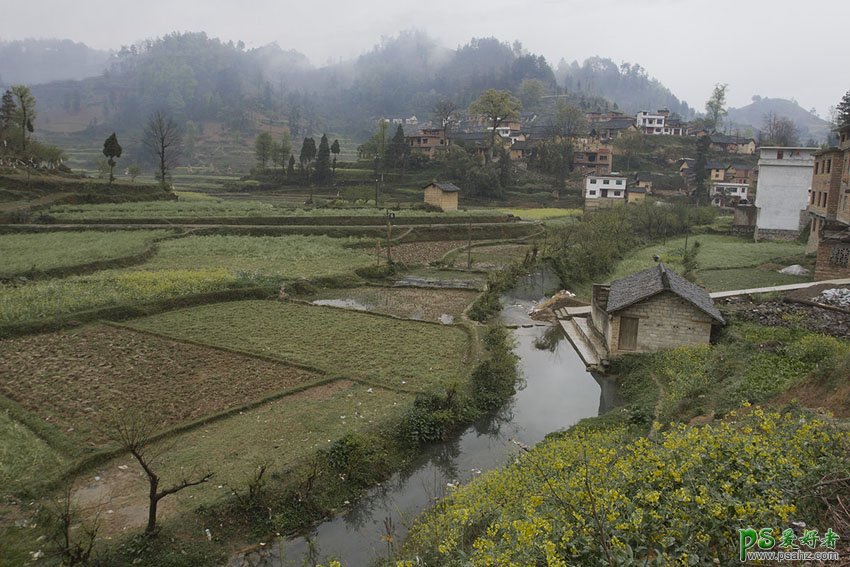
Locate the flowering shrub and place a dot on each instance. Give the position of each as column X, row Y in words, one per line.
column 597, row 498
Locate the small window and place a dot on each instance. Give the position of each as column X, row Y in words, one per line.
column 593, row 182
column 619, row 182
column 606, row 182
column 817, row 163
column 780, row 154
column 828, row 165
column 592, row 192
column 617, row 193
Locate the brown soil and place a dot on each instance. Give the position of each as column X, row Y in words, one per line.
column 117, row 491
column 814, row 395
column 422, row 253
column 78, row 380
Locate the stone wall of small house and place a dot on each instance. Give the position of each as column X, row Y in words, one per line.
column 445, row 200
column 448, row 201
column 832, row 260
column 665, row 321
column 598, row 316
column 432, row 196
column 602, row 202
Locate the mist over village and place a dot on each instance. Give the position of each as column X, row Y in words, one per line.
column 402, row 285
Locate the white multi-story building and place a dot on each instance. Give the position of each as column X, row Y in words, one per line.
column 725, row 194
column 659, row 123
column 651, row 123
column 602, row 190
column 782, row 191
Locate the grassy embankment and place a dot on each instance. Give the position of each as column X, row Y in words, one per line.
column 627, row 486
column 181, row 267
column 632, row 486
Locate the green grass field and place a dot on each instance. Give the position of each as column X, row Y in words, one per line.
column 280, row 433
column 745, row 278
column 543, row 213
column 50, row 250
column 400, row 354
column 283, row 256
column 198, row 208
column 725, row 262
column 24, row 457
column 60, row 298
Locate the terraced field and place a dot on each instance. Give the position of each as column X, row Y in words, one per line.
column 399, row 354
column 78, row 381
column 42, row 251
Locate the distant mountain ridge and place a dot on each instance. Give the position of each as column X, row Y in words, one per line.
column 751, row 117
column 35, row 61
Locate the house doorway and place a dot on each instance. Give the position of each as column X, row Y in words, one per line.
column 628, row 333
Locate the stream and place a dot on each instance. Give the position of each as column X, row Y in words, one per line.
column 556, row 392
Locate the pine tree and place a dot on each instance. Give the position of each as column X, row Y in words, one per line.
column 7, row 112
column 290, row 171
column 398, row 149
column 335, row 152
column 323, row 161
column 112, row 150
column 843, row 111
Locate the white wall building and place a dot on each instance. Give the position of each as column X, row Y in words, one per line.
column 651, row 122
column 605, row 187
column 722, row 194
column 782, row 191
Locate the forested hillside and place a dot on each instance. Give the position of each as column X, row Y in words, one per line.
column 226, row 86
column 628, row 85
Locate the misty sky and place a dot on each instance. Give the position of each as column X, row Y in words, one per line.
column 772, row 48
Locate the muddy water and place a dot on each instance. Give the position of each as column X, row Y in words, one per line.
column 556, row 392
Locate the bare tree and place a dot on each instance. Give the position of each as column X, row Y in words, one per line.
column 72, row 540
column 136, row 434
column 162, row 138
column 779, row 131
column 445, row 111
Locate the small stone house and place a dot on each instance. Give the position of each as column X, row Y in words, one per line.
column 443, row 195
column 652, row 310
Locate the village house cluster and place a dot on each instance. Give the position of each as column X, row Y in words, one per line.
column 593, row 152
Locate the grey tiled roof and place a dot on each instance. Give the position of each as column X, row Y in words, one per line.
column 445, row 187
column 657, row 279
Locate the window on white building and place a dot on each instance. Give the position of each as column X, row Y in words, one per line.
column 606, row 182
column 593, row 182
column 592, row 192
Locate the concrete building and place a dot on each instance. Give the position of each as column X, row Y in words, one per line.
column 593, row 159
column 829, row 208
column 427, row 141
column 651, row 310
column 604, row 190
column 443, row 195
column 782, row 192
column 825, row 194
column 651, row 122
column 659, row 123
column 726, row 194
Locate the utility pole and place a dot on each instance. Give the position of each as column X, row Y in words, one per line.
column 468, row 246
column 390, row 217
column 377, row 206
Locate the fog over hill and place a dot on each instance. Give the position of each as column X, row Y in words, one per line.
column 34, row 61
column 752, row 117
